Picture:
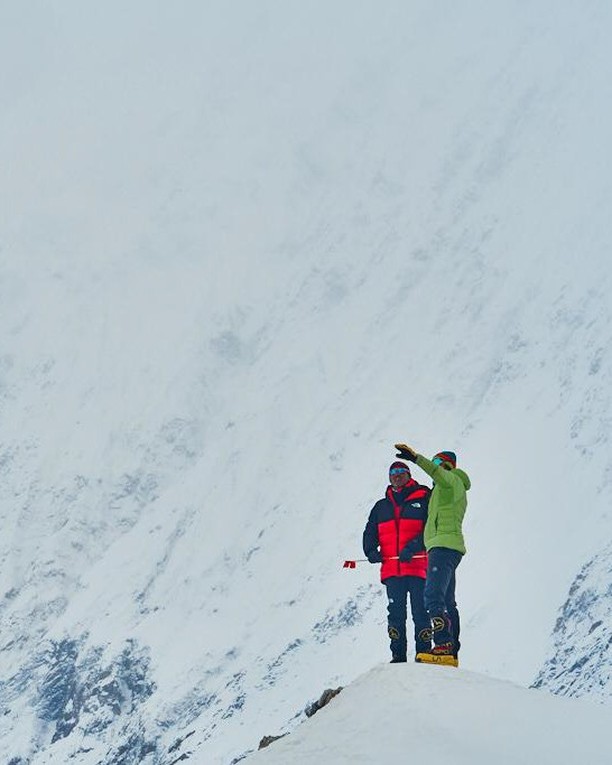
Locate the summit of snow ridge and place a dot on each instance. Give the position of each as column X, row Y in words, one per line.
column 428, row 712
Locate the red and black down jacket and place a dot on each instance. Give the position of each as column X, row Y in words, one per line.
column 394, row 521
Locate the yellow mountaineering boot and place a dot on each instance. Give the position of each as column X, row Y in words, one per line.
column 439, row 654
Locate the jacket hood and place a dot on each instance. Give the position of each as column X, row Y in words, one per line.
column 464, row 477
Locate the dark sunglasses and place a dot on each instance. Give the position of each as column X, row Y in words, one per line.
column 398, row 471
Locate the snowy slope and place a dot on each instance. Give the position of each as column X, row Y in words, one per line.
column 434, row 715
column 243, row 249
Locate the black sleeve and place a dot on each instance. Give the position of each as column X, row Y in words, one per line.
column 415, row 545
column 370, row 534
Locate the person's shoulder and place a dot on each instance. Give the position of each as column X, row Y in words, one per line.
column 462, row 476
column 417, row 491
column 381, row 501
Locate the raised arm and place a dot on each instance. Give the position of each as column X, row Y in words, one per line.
column 439, row 474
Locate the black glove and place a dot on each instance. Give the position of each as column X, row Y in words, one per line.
column 406, row 452
column 375, row 556
column 411, row 548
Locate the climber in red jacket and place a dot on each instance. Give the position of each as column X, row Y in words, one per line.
column 393, row 536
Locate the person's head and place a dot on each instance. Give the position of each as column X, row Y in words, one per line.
column 399, row 475
column 447, row 459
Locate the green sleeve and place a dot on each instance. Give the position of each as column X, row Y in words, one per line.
column 440, row 475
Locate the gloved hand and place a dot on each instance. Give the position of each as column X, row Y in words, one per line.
column 406, row 452
column 375, row 556
column 411, row 548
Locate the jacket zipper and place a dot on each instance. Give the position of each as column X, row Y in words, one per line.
column 396, row 512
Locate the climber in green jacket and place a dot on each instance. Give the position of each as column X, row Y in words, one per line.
column 445, row 547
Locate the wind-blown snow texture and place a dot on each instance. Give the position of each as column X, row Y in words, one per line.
column 429, row 714
column 244, row 248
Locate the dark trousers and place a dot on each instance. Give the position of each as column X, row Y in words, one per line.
column 398, row 590
column 440, row 595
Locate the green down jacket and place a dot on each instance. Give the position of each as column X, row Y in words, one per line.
column 447, row 505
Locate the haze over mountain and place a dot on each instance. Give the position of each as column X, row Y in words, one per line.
column 244, row 248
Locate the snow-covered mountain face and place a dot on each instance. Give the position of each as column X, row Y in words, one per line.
column 244, row 249
column 580, row 664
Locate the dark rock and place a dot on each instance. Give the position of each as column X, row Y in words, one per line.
column 267, row 740
column 324, row 699
column 310, row 710
column 179, row 742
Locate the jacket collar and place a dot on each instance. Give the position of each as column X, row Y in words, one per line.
column 403, row 493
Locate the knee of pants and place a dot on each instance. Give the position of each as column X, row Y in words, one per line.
column 433, row 595
column 397, row 611
column 434, row 605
